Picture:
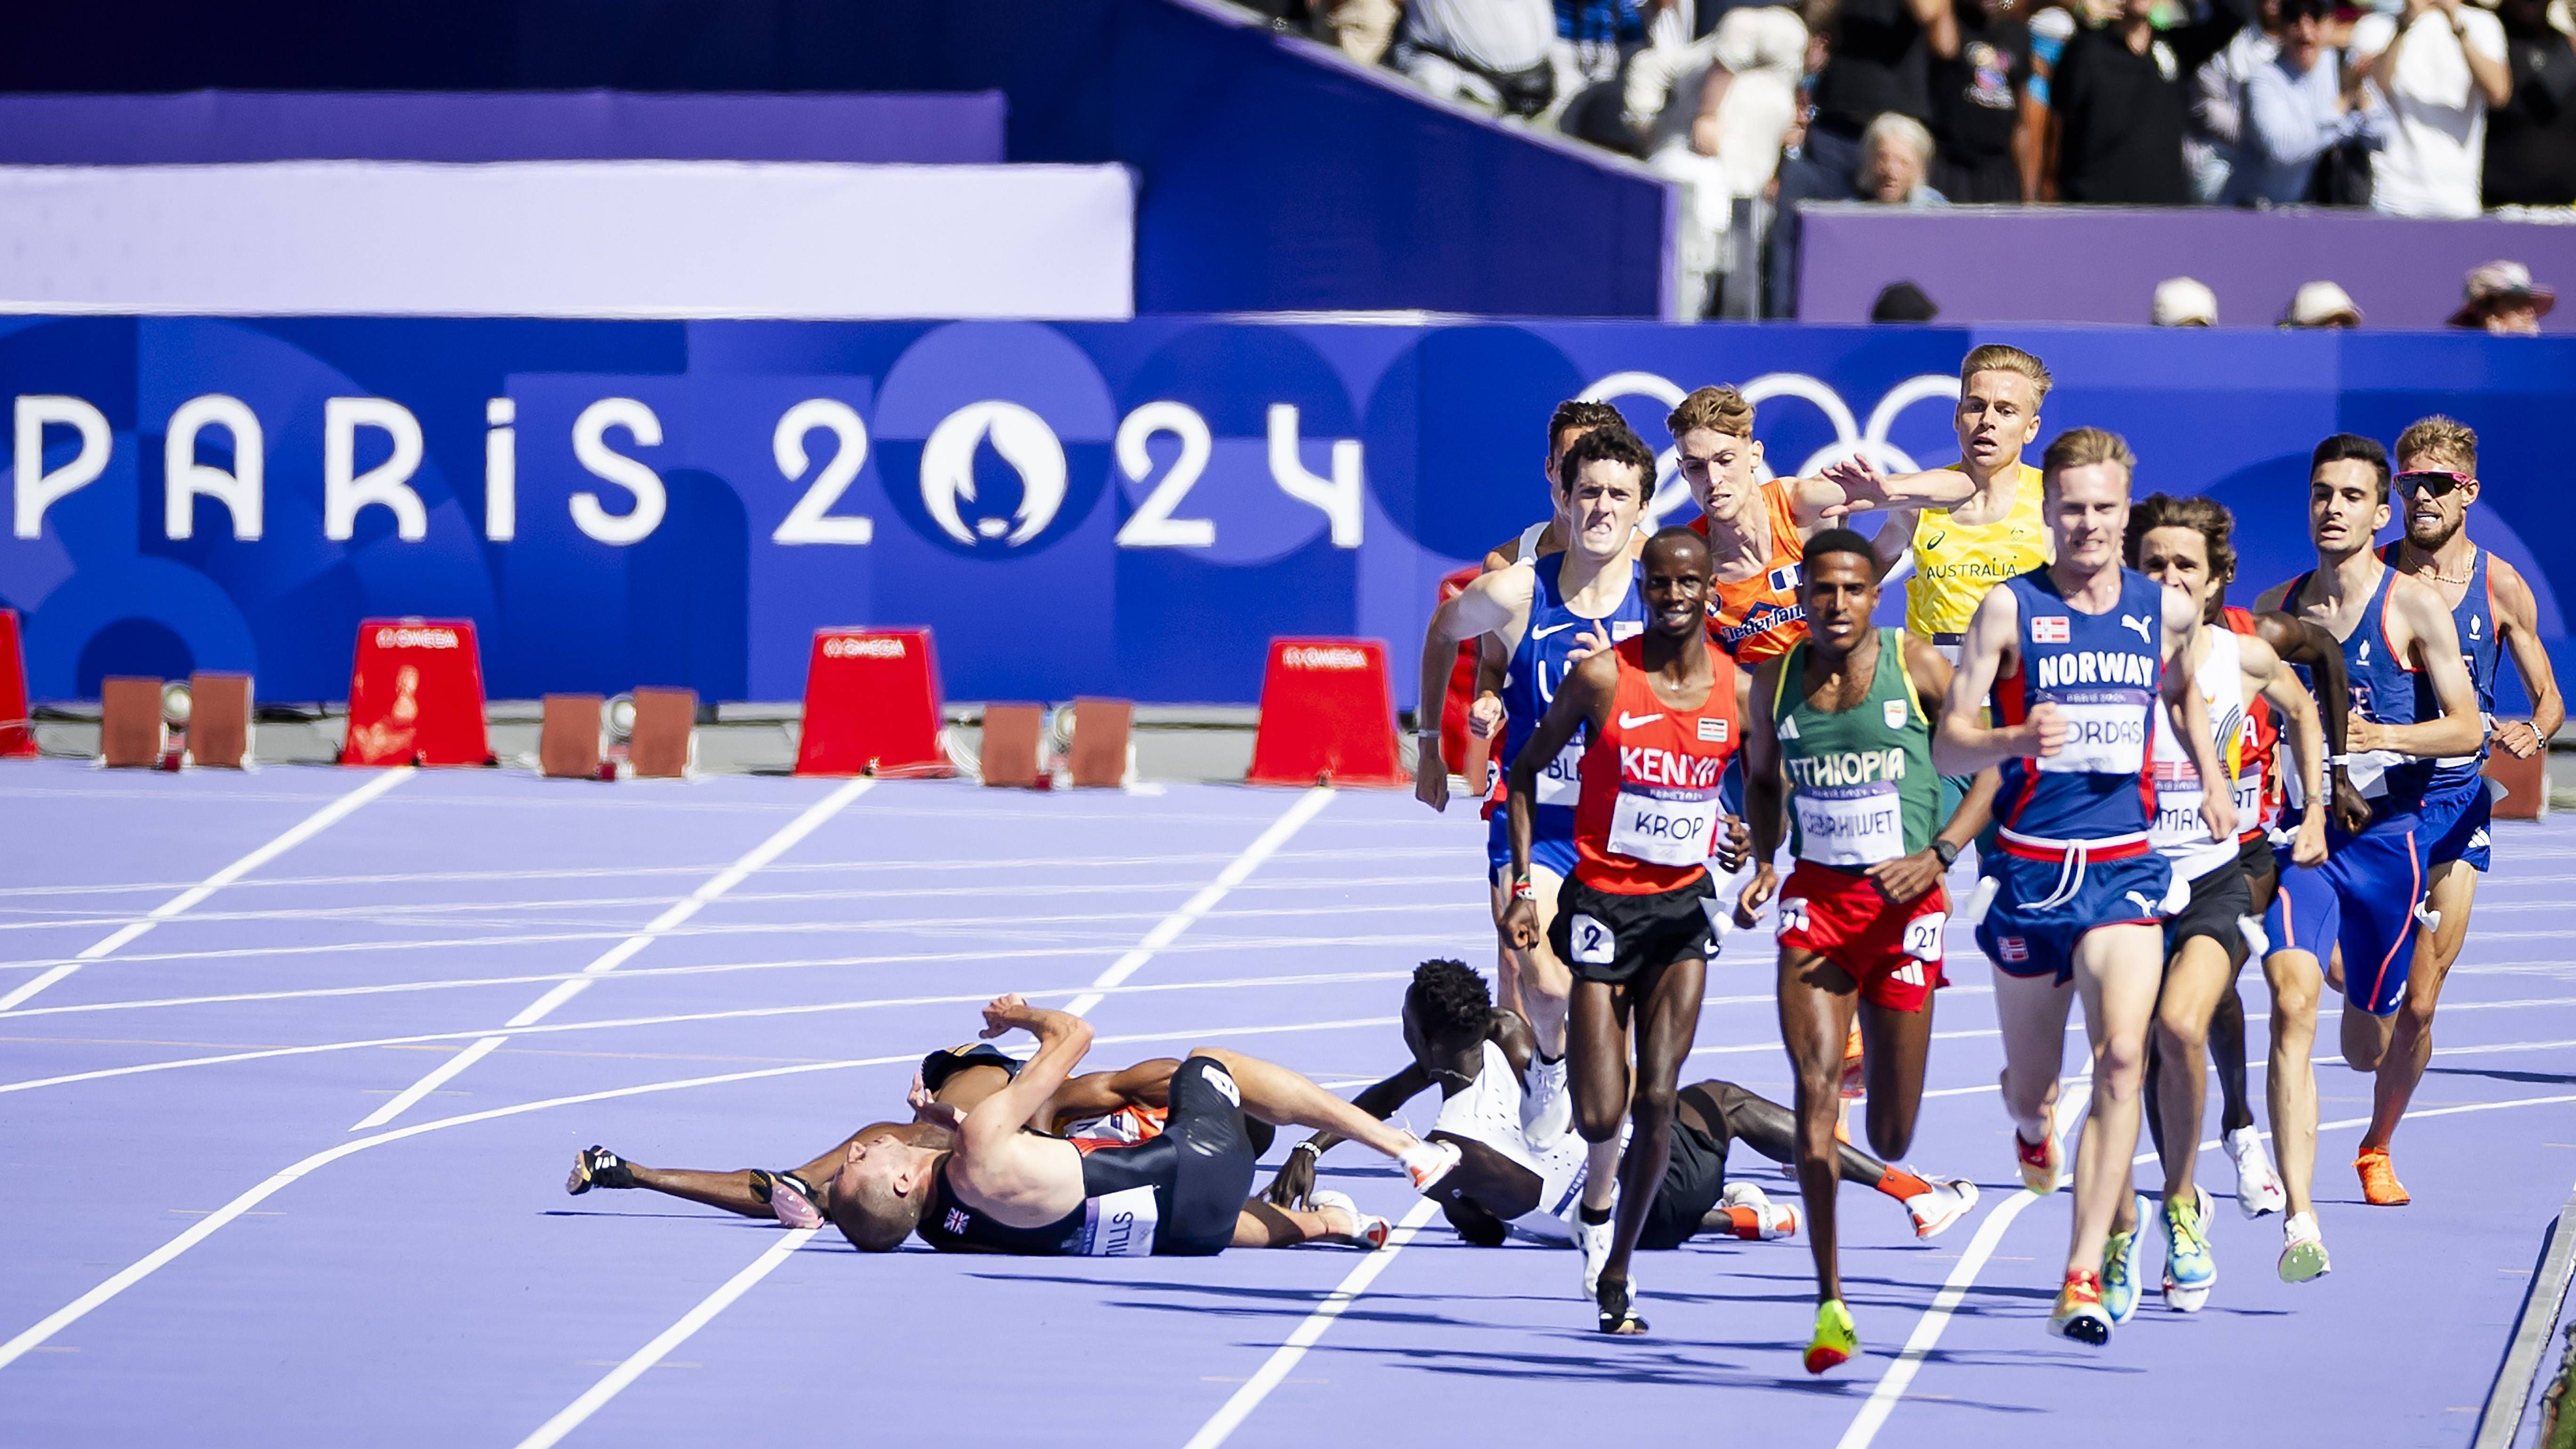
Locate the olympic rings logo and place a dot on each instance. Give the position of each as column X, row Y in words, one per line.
column 1852, row 438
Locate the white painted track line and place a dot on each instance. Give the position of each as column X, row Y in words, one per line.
column 1275, row 1369
column 806, row 823
column 304, row 830
column 1163, row 934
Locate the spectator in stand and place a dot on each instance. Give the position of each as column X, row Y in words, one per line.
column 1896, row 155
column 2119, row 97
column 1360, row 29
column 1902, row 302
column 2441, row 65
column 2217, row 125
column 1595, row 40
column 2051, row 28
column 2531, row 139
column 2503, row 301
column 1491, row 53
column 1880, row 60
column 2185, row 302
column 1977, row 104
column 1714, row 115
column 2320, row 306
column 2299, row 104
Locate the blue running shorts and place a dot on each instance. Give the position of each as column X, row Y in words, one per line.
column 2363, row 898
column 2043, row 907
column 1551, row 840
column 2456, row 822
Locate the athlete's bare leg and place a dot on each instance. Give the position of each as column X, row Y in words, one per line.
column 1263, row 1225
column 1282, row 1098
column 2227, row 1058
column 2453, row 888
column 1597, row 1036
column 2291, row 1084
column 1542, row 982
column 1817, row 998
column 1669, row 999
column 2117, row 970
column 2032, row 1012
column 2193, row 985
column 1895, row 1046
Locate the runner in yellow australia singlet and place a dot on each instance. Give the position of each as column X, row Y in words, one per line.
column 1955, row 563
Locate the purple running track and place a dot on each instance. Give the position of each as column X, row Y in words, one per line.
column 431, row 1284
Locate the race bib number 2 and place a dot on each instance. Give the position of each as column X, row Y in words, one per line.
column 1593, row 943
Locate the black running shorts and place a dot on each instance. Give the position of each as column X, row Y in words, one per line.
column 1200, row 1168
column 2218, row 899
column 1693, row 1180
column 1608, row 937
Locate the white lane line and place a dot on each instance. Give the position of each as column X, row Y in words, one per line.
column 616, row 1380
column 310, row 826
column 806, row 823
column 1125, row 966
column 1285, row 1357
column 1954, row 1289
column 205, row 1227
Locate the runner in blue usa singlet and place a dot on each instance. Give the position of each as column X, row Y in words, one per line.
column 2364, row 896
column 2074, row 825
column 1538, row 665
column 2456, row 804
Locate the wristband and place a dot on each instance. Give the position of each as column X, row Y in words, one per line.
column 1948, row 852
column 1522, row 890
column 1308, row 1147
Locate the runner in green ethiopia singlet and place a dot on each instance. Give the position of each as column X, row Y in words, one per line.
column 1861, row 784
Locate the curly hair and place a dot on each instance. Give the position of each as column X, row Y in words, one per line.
column 1447, row 995
column 1606, row 444
column 2211, row 518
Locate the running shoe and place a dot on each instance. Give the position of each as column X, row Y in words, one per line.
column 2379, row 1184
column 2040, row 1164
column 2258, row 1185
column 597, row 1167
column 2303, row 1250
column 1852, row 1064
column 2119, row 1281
column 1428, row 1162
column 1757, row 1217
column 2079, row 1314
column 1367, row 1230
column 1836, row 1339
column 1948, row 1200
column 1547, row 1109
column 2190, row 1268
column 791, row 1200
column 1616, row 1299
column 1594, row 1240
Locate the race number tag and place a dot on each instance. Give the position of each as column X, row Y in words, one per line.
column 1850, row 825
column 1561, row 783
column 2178, row 797
column 1793, row 915
column 1923, row 936
column 1120, row 1224
column 1663, row 832
column 2106, row 732
column 1593, row 944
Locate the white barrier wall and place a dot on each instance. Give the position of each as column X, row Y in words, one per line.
column 571, row 239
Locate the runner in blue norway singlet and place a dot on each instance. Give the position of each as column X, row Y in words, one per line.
column 2363, row 896
column 2457, row 807
column 2074, row 825
column 1538, row 666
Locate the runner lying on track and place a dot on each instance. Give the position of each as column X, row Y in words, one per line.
column 998, row 1185
column 1521, row 1168
column 1094, row 1110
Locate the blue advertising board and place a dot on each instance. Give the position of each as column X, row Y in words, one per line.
column 1130, row 509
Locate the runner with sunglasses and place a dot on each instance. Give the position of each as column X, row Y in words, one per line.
column 2491, row 606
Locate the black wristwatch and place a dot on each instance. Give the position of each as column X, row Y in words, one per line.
column 1948, row 852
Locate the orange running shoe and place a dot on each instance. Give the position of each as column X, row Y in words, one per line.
column 2379, row 1184
column 1852, row 1076
column 2040, row 1164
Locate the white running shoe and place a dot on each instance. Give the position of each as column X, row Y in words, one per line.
column 1594, row 1241
column 1547, row 1108
column 1428, row 1162
column 1368, row 1231
column 2258, row 1186
column 2303, row 1249
column 1948, row 1200
column 1769, row 1220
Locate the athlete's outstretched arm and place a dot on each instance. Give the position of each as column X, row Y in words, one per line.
column 1854, row 485
column 2417, row 617
column 1762, row 788
column 1964, row 742
column 1295, row 1180
column 2307, row 740
column 1584, row 698
column 2299, row 642
column 2517, row 618
column 1495, row 601
column 1097, row 1094
column 1062, row 1039
column 2189, row 713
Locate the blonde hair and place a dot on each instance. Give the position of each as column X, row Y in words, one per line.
column 2003, row 357
column 2083, row 447
column 1899, row 127
column 1720, row 409
column 2446, row 438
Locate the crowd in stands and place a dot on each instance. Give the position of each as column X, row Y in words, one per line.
column 2418, row 108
